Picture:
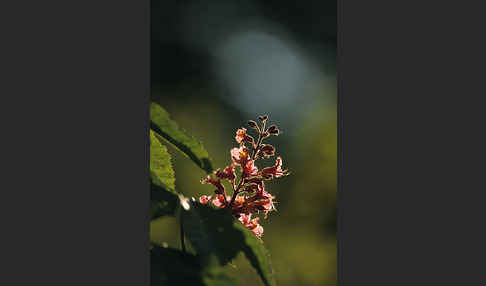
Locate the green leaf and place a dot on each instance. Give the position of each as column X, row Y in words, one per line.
column 257, row 254
column 217, row 236
column 171, row 266
column 168, row 130
column 160, row 167
column 164, row 200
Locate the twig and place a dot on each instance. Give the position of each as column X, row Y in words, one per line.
column 183, row 245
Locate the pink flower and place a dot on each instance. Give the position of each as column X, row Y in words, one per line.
column 260, row 192
column 274, row 171
column 239, row 206
column 227, row 173
column 260, row 201
column 244, row 218
column 252, row 225
column 239, row 201
column 214, row 182
column 258, row 231
column 204, row 199
column 250, row 168
column 240, row 155
column 219, row 201
column 241, row 158
column 268, row 207
column 241, row 136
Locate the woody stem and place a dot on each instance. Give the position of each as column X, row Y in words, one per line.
column 236, row 191
column 260, row 139
column 225, row 202
column 183, row 245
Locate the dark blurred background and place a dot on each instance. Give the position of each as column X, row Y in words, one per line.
column 216, row 64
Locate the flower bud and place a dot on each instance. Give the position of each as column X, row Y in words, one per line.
column 267, row 147
column 263, row 118
column 267, row 176
column 204, row 199
column 267, row 150
column 273, row 130
column 252, row 124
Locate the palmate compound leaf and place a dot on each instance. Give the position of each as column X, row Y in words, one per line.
column 164, row 200
column 218, row 237
column 166, row 129
column 171, row 266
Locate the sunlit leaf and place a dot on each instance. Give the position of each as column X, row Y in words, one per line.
column 163, row 195
column 216, row 235
column 166, row 129
column 160, row 166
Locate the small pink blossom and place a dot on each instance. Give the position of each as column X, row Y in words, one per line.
column 254, row 222
column 252, row 225
column 268, row 207
column 214, row 182
column 275, row 171
column 219, row 201
column 204, row 199
column 241, row 136
column 228, row 173
column 244, row 218
column 240, row 155
column 258, row 231
column 239, row 201
column 250, row 168
column 260, row 201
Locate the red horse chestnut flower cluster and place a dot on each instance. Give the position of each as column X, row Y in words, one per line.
column 249, row 196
